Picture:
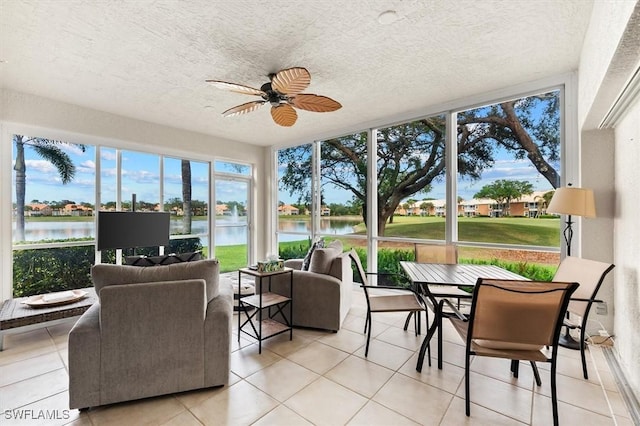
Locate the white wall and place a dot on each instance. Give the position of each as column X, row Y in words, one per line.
column 609, row 58
column 609, row 20
column 31, row 114
column 597, row 164
column 627, row 245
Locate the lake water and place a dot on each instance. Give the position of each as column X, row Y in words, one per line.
column 229, row 231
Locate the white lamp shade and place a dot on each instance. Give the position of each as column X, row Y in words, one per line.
column 573, row 201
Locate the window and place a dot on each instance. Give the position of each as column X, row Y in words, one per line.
column 294, row 200
column 232, row 226
column 508, row 167
column 54, row 207
column 53, row 214
column 343, row 183
column 507, row 160
column 54, row 190
column 411, row 189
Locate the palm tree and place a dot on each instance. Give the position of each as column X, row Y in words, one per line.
column 186, row 197
column 546, row 199
column 50, row 151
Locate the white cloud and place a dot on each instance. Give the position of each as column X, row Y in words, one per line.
column 71, row 148
column 108, row 172
column 108, row 155
column 87, row 167
column 42, row 166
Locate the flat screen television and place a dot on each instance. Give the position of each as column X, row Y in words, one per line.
column 132, row 229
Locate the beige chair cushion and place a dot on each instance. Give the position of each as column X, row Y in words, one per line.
column 106, row 274
column 494, row 344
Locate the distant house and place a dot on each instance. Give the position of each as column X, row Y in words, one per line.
column 38, row 209
column 325, row 211
column 221, row 209
column 75, row 210
column 532, row 205
column 288, row 210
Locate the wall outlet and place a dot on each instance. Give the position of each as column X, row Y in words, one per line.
column 601, row 308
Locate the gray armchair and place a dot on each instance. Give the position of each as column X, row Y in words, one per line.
column 322, row 294
column 154, row 331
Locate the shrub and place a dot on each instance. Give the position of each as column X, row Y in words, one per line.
column 294, row 250
column 528, row 270
column 37, row 271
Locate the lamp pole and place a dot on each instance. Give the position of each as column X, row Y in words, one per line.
column 568, row 234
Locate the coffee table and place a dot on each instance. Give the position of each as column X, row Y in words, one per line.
column 16, row 317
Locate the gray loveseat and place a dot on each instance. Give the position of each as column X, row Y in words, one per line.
column 322, row 294
column 154, row 331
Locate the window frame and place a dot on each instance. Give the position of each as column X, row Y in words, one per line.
column 566, row 84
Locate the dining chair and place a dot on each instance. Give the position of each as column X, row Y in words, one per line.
column 394, row 299
column 436, row 253
column 446, row 254
column 589, row 274
column 516, row 320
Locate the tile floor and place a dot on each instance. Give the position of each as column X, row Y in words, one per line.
column 322, row 378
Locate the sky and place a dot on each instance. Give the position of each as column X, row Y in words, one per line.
column 141, row 175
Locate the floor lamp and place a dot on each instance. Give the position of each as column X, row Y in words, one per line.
column 571, row 201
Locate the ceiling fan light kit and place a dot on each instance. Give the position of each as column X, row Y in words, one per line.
column 282, row 92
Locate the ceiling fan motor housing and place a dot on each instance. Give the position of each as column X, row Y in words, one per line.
column 272, row 96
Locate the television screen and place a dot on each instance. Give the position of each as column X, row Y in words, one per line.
column 132, row 229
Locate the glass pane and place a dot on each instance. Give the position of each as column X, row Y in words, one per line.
column 294, row 190
column 411, row 179
column 236, row 168
column 108, row 179
column 532, row 264
column 508, row 168
column 343, row 179
column 293, row 246
column 190, row 178
column 54, row 190
column 38, row 271
column 140, row 176
column 232, row 231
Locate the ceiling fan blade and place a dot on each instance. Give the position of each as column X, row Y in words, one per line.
column 315, row 103
column 238, row 88
column 243, row 109
column 284, row 115
column 291, row 80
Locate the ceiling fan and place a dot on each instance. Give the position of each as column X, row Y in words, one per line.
column 283, row 93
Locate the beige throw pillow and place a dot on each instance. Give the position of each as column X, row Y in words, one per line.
column 322, row 258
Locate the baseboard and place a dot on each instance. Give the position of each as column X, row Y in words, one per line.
column 623, row 385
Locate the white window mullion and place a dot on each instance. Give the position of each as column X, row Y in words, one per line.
column 212, row 217
column 451, row 159
column 97, row 199
column 316, row 191
column 372, row 201
column 161, row 197
column 118, row 196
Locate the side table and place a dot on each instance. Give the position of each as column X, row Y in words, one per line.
column 262, row 328
column 17, row 317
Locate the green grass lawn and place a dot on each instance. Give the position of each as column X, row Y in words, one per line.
column 232, row 257
column 506, row 230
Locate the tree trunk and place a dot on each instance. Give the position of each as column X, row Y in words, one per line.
column 186, row 196
column 21, row 177
column 533, row 152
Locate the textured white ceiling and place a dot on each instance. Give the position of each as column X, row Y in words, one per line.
column 149, row 59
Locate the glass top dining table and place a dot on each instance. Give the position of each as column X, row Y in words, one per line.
column 424, row 274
